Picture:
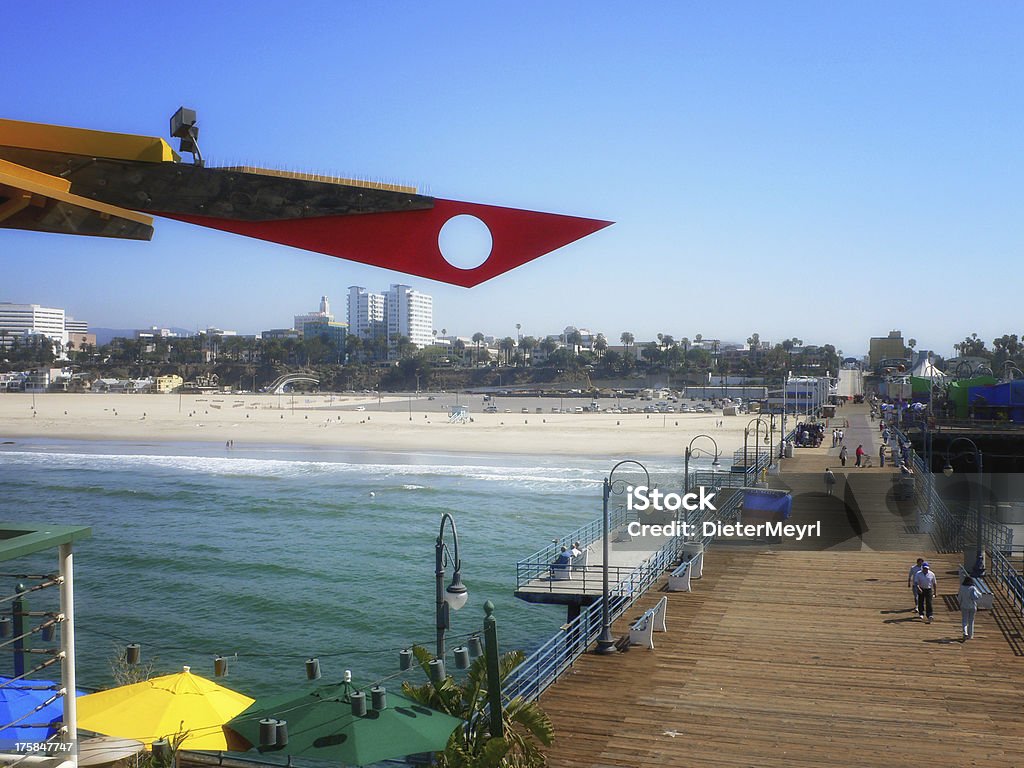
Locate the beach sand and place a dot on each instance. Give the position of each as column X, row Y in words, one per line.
column 392, row 423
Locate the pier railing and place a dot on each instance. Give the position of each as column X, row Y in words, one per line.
column 951, row 530
column 1000, row 566
column 546, row 664
column 537, row 565
column 580, row 579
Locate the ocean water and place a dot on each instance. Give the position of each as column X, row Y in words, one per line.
column 273, row 555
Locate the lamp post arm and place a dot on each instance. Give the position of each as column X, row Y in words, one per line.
column 443, row 612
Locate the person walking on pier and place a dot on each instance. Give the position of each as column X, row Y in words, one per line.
column 859, row 453
column 970, row 595
column 830, row 481
column 914, row 570
column 928, row 586
column 881, row 455
column 843, row 453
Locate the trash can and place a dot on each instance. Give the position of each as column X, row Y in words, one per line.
column 789, row 449
column 695, row 551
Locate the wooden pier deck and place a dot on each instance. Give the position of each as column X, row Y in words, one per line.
column 800, row 659
column 786, row 656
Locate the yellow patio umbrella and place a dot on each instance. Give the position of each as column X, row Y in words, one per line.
column 163, row 707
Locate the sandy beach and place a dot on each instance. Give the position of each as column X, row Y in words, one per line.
column 410, row 423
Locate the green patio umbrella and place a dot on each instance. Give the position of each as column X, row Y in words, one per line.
column 322, row 724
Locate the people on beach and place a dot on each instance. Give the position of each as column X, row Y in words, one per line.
column 969, row 596
column 928, row 587
column 843, row 453
column 914, row 570
column 830, row 481
column 859, row 453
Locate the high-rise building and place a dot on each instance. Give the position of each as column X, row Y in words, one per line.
column 401, row 311
column 889, row 347
column 23, row 320
column 410, row 314
column 322, row 315
column 366, row 318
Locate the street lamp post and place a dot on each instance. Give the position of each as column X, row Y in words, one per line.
column 691, row 451
column 456, row 595
column 757, row 421
column 979, row 560
column 605, row 643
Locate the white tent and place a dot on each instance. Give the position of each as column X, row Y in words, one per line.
column 926, row 369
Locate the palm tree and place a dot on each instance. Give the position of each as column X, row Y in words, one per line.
column 600, row 345
column 526, row 727
column 548, row 346
column 575, row 338
column 478, row 338
column 528, row 344
column 627, row 339
column 508, row 344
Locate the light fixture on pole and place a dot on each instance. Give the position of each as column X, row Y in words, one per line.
column 456, row 594
column 605, row 642
column 947, row 470
column 757, row 421
column 691, row 451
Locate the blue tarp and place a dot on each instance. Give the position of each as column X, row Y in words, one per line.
column 1010, row 393
column 768, row 501
column 1007, row 399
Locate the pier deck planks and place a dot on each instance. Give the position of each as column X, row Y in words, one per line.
column 800, row 659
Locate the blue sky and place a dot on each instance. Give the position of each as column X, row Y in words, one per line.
column 809, row 169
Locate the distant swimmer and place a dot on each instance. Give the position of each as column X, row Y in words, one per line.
column 372, row 494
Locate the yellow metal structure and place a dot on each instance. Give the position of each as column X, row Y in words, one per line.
column 30, row 199
column 82, row 141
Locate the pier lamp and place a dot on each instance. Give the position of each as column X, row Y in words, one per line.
column 975, row 452
column 691, row 451
column 455, row 595
column 605, row 642
column 758, row 422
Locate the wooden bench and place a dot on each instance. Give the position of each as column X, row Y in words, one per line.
column 679, row 579
column 985, row 604
column 642, row 630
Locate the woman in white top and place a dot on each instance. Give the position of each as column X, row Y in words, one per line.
column 969, row 597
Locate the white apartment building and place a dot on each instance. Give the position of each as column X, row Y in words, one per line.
column 75, row 326
column 365, row 313
column 410, row 314
column 401, row 311
column 324, row 314
column 23, row 320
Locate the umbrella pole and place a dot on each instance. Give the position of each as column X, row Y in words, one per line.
column 67, row 635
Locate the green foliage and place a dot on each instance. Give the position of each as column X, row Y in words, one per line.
column 526, row 726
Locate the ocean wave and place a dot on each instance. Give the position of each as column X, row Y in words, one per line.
column 552, row 477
